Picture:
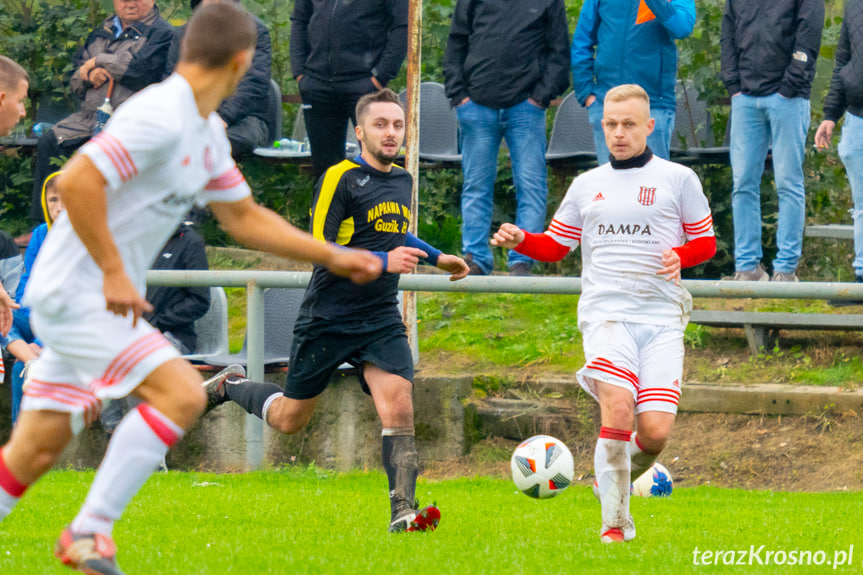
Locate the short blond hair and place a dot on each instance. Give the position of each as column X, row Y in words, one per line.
column 627, row 92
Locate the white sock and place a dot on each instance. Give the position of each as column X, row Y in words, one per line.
column 641, row 459
column 11, row 490
column 611, row 465
column 135, row 451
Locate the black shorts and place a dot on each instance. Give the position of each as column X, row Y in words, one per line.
column 320, row 347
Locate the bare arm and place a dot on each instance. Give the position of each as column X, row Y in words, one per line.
column 82, row 187
column 262, row 229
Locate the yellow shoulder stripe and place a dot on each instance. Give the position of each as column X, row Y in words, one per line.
column 325, row 197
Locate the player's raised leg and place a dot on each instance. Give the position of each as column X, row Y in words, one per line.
column 393, row 397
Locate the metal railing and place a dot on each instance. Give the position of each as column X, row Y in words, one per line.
column 256, row 281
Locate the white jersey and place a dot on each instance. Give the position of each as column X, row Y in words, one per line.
column 159, row 158
column 625, row 219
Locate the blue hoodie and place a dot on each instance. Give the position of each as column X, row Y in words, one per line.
column 634, row 44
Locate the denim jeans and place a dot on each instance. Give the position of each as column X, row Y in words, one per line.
column 757, row 122
column 659, row 140
column 851, row 153
column 523, row 127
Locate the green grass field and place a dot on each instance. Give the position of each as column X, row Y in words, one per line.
column 311, row 521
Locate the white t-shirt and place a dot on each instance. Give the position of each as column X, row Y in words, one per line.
column 624, row 220
column 159, row 157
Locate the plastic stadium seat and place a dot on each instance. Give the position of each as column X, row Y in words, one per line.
column 281, row 306
column 212, row 329
column 438, row 140
column 274, row 112
column 571, row 144
column 692, row 140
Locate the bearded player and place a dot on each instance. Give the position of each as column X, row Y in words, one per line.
column 640, row 220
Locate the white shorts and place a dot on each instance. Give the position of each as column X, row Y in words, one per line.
column 645, row 359
column 90, row 357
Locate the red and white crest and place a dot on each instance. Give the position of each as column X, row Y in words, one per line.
column 646, row 196
column 208, row 159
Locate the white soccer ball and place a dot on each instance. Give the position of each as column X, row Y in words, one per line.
column 655, row 482
column 542, row 467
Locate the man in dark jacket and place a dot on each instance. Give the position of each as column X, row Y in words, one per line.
column 769, row 49
column 340, row 51
column 131, row 47
column 176, row 309
column 245, row 112
column 846, row 95
column 504, row 63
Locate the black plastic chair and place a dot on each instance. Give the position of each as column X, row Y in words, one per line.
column 438, row 139
column 281, row 307
column 274, row 112
column 692, row 140
column 571, row 144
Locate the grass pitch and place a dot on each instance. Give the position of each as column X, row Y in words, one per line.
column 312, row 521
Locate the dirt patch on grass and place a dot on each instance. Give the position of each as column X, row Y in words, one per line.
column 813, row 453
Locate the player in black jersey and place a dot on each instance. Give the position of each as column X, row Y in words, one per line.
column 362, row 203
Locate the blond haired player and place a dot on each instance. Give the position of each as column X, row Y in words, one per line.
column 125, row 192
column 639, row 219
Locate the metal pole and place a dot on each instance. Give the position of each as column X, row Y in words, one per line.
column 412, row 162
column 255, row 370
column 508, row 284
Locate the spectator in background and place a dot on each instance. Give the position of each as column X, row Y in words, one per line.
column 504, row 63
column 341, row 51
column 769, row 49
column 176, row 309
column 131, row 47
column 846, row 95
column 630, row 42
column 21, row 342
column 245, row 112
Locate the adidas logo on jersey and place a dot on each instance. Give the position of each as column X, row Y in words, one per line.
column 598, row 197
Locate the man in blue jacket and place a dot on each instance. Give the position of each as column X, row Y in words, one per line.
column 630, row 42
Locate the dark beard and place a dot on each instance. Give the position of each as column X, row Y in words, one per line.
column 383, row 158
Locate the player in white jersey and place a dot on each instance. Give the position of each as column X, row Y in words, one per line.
column 125, row 192
column 639, row 219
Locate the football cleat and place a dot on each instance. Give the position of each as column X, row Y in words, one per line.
column 91, row 553
column 216, row 386
column 613, row 535
column 423, row 519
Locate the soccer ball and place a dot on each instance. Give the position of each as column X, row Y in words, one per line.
column 655, row 482
column 542, row 467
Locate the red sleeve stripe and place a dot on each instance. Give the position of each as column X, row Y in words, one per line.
column 154, row 420
column 616, row 434
column 228, row 180
column 118, row 155
column 564, row 231
column 699, row 227
column 565, row 226
column 602, row 364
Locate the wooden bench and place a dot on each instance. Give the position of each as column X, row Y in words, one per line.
column 761, row 327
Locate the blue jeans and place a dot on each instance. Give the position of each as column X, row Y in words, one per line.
column 851, row 153
column 659, row 140
column 757, row 122
column 523, row 127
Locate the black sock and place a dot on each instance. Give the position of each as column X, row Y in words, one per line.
column 402, row 466
column 251, row 395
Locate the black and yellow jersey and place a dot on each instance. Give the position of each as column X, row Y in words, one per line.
column 357, row 206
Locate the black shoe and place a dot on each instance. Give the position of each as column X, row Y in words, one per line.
column 427, row 518
column 521, row 269
column 846, row 302
column 475, row 270
column 216, row 386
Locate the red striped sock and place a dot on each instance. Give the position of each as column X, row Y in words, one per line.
column 11, row 489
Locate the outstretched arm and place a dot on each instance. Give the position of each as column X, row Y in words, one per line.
column 541, row 247
column 262, row 229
